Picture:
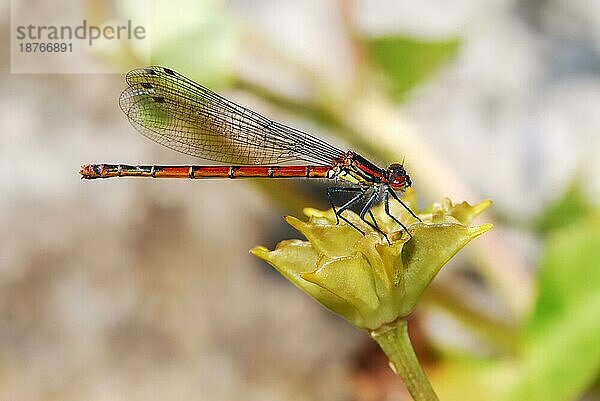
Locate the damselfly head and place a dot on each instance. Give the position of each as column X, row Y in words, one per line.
column 398, row 177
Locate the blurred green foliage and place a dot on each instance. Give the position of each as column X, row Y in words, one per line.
column 202, row 43
column 571, row 207
column 561, row 340
column 196, row 37
column 558, row 356
column 406, row 61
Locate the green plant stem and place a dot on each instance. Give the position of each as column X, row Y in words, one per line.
column 394, row 341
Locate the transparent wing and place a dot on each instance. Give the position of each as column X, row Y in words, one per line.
column 187, row 117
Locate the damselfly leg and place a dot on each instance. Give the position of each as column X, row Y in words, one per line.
column 338, row 211
column 361, row 193
column 367, row 208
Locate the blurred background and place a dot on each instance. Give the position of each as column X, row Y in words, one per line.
column 133, row 289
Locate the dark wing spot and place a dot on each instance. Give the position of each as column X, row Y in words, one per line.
column 158, row 99
column 146, row 85
column 169, row 71
column 150, row 71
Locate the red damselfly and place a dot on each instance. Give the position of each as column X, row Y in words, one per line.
column 180, row 114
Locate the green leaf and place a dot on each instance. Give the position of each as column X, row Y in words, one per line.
column 562, row 355
column 559, row 355
column 569, row 208
column 404, row 61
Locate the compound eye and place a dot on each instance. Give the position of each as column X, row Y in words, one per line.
column 397, row 177
column 398, row 182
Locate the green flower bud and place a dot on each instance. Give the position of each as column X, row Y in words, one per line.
column 363, row 278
